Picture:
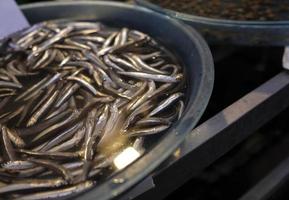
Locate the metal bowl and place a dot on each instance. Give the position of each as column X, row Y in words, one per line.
column 187, row 45
column 223, row 31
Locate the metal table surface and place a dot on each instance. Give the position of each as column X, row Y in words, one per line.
column 269, row 184
column 218, row 135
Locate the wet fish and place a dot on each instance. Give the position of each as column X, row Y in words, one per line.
column 164, row 104
column 45, row 45
column 84, row 83
column 15, row 138
column 153, row 121
column 57, row 168
column 53, row 129
column 32, row 89
column 43, row 125
column 78, row 188
column 52, row 155
column 31, row 184
column 142, row 65
column 10, row 84
column 123, row 63
column 70, row 91
column 147, row 131
column 73, row 94
column 61, row 137
column 7, row 145
column 73, row 142
column 154, row 77
column 40, row 112
column 97, row 132
column 17, row 165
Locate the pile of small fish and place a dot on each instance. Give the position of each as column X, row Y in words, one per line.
column 72, row 95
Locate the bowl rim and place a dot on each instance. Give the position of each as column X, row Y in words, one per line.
column 213, row 21
column 139, row 169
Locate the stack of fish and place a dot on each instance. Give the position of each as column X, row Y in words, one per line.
column 72, row 96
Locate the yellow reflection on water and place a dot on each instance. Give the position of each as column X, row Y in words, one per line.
column 126, row 157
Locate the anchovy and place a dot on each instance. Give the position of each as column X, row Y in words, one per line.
column 137, row 34
column 61, row 137
column 144, row 97
column 97, row 39
column 147, row 131
column 175, row 68
column 74, row 141
column 96, row 133
column 89, row 126
column 48, row 61
column 83, row 65
column 123, row 36
column 129, row 46
column 4, row 77
column 10, row 84
column 26, row 110
column 84, row 83
column 164, row 104
column 70, row 91
column 111, row 90
column 7, row 94
column 49, row 102
column 32, row 172
column 50, row 81
column 32, row 89
column 153, row 121
column 11, row 115
column 4, row 102
column 154, row 77
column 94, row 47
column 31, row 184
column 66, row 47
column 157, row 63
column 28, row 33
column 123, row 62
column 78, row 188
column 59, row 169
column 120, row 82
column 80, row 25
column 65, row 106
column 111, row 64
column 64, row 60
column 11, row 76
column 44, row 57
column 105, row 78
column 52, row 155
column 36, row 128
column 143, row 65
column 17, row 165
column 42, row 98
column 57, row 37
column 161, row 89
column 77, row 44
column 9, row 150
column 146, row 107
column 153, row 55
column 104, row 51
column 109, row 40
column 15, row 138
column 51, row 130
column 96, row 60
